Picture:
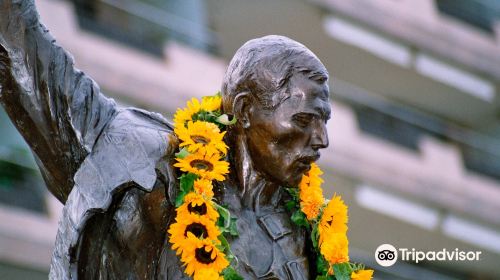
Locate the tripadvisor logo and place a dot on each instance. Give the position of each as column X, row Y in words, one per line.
column 387, row 255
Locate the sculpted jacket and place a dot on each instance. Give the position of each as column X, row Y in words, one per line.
column 111, row 167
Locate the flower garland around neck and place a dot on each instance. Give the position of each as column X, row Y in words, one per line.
column 327, row 222
column 198, row 232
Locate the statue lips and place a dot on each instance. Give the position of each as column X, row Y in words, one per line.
column 304, row 162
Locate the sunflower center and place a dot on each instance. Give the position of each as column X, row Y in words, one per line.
column 200, row 139
column 202, row 164
column 197, row 209
column 197, row 229
column 203, row 256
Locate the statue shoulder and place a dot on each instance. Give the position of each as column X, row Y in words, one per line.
column 135, row 145
column 136, row 149
column 150, row 131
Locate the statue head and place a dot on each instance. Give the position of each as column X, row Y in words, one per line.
column 278, row 91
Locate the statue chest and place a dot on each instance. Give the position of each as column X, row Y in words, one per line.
column 269, row 246
column 135, row 244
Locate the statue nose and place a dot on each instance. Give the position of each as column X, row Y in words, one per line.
column 319, row 138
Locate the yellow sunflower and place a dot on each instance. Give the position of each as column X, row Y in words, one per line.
column 311, row 203
column 211, row 103
column 207, row 274
column 196, row 204
column 203, row 254
column 334, row 218
column 204, row 187
column 191, row 225
column 206, row 165
column 364, row 274
column 182, row 116
column 315, row 173
column 201, row 134
column 310, row 192
column 335, row 248
column 315, row 180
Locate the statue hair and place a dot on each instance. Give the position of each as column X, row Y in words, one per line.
column 262, row 68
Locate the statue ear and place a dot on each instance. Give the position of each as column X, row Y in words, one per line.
column 241, row 108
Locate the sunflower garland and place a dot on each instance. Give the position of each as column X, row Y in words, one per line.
column 327, row 221
column 204, row 164
column 201, row 135
column 197, row 235
column 311, row 194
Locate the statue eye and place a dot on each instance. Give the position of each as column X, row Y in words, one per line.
column 302, row 119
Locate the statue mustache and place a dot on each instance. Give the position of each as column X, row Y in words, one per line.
column 309, row 158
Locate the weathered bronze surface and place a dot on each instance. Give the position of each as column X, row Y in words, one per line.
column 111, row 166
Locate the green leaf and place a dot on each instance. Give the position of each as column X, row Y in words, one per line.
column 200, row 116
column 357, row 266
column 183, row 153
column 300, row 219
column 294, row 193
column 212, row 117
column 325, row 277
column 179, row 199
column 291, row 205
column 231, row 274
column 204, row 116
column 226, row 248
column 186, row 186
column 224, row 119
column 220, row 248
column 233, row 229
column 224, row 243
column 225, row 217
column 322, row 265
column 315, row 236
column 187, row 182
column 342, row 271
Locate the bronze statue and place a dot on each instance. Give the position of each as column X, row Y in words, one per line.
column 112, row 166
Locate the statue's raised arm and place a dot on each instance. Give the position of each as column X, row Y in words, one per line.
column 110, row 166
column 57, row 108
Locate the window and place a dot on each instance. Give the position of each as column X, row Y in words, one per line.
column 148, row 24
column 388, row 127
column 481, row 14
column 481, row 161
column 20, row 182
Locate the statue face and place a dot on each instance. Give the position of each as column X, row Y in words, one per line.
column 285, row 141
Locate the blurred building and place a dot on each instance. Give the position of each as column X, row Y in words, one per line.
column 415, row 130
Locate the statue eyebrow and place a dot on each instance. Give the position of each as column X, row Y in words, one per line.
column 324, row 114
column 316, row 75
